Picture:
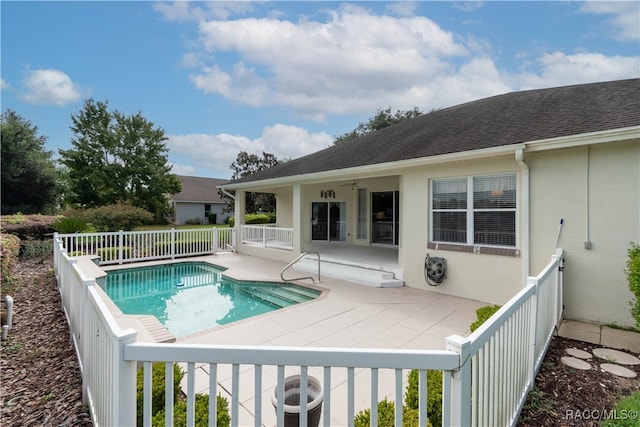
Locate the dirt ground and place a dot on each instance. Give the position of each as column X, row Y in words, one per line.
column 41, row 385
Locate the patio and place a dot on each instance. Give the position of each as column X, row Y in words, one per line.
column 346, row 315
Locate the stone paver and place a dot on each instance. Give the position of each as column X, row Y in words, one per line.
column 580, row 354
column 618, row 370
column 576, row 363
column 616, row 356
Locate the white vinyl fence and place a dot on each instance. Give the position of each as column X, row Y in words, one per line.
column 486, row 375
column 267, row 236
column 135, row 246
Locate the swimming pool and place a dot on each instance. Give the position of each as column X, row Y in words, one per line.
column 189, row 297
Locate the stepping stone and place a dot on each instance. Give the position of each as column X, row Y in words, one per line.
column 580, row 354
column 576, row 363
column 618, row 370
column 616, row 356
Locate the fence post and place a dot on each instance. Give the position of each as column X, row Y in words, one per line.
column 215, row 237
column 120, row 245
column 173, row 243
column 264, row 236
column 456, row 396
column 124, row 383
column 533, row 331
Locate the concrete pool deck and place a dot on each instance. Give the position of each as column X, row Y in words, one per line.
column 345, row 315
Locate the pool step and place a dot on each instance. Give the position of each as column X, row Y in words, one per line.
column 281, row 296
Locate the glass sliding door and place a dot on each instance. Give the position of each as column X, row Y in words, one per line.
column 328, row 221
column 385, row 215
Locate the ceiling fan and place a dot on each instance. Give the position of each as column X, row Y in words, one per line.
column 353, row 184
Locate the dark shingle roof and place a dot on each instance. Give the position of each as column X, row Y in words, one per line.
column 491, row 122
column 197, row 189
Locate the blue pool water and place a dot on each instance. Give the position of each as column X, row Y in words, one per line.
column 189, row 297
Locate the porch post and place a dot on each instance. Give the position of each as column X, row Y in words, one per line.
column 297, row 218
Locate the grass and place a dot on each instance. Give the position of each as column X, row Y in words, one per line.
column 625, row 412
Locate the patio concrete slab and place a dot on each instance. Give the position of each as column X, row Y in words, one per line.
column 345, row 315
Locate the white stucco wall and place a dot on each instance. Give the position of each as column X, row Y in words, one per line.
column 489, row 278
column 596, row 190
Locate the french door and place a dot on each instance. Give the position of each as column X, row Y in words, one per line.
column 328, row 221
column 385, row 217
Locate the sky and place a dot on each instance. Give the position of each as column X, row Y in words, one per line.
column 287, row 77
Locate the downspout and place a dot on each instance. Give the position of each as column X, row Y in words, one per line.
column 233, row 197
column 525, row 253
column 226, row 193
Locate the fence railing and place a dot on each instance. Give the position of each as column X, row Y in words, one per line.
column 486, row 376
column 135, row 246
column 501, row 358
column 267, row 236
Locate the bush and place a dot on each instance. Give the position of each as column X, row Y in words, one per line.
column 257, row 219
column 213, row 218
column 73, row 225
column 386, row 416
column 201, row 415
column 194, row 221
column 115, row 217
column 35, row 227
column 179, row 406
column 9, row 250
column 434, row 395
column 30, row 249
column 113, row 252
column 157, row 388
column 482, row 315
column 633, row 275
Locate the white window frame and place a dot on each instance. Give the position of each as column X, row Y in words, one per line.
column 470, row 210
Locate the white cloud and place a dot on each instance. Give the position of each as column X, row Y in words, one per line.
column 4, row 85
column 625, row 17
column 559, row 69
column 50, row 87
column 354, row 61
column 193, row 11
column 327, row 67
column 216, row 152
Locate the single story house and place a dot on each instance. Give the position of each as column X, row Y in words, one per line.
column 199, row 201
column 488, row 189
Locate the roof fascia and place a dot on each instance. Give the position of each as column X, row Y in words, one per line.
column 592, row 138
column 391, row 168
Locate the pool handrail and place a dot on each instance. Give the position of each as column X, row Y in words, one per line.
column 296, row 260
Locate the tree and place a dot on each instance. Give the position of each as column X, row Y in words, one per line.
column 28, row 172
column 382, row 119
column 118, row 159
column 247, row 164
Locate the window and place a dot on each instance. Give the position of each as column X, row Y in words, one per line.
column 207, row 209
column 477, row 210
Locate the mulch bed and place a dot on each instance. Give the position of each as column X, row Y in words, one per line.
column 41, row 383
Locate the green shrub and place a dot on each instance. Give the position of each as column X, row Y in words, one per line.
column 35, row 227
column 434, row 395
column 194, row 221
column 633, row 276
column 257, row 219
column 482, row 315
column 386, row 416
column 157, row 388
column 73, row 225
column 36, row 248
column 9, row 249
column 626, row 412
column 213, row 218
column 115, row 217
column 113, row 252
column 201, row 412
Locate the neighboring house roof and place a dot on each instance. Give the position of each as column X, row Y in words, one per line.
column 197, row 189
column 501, row 120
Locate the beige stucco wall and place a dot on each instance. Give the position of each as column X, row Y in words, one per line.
column 488, row 278
column 596, row 190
